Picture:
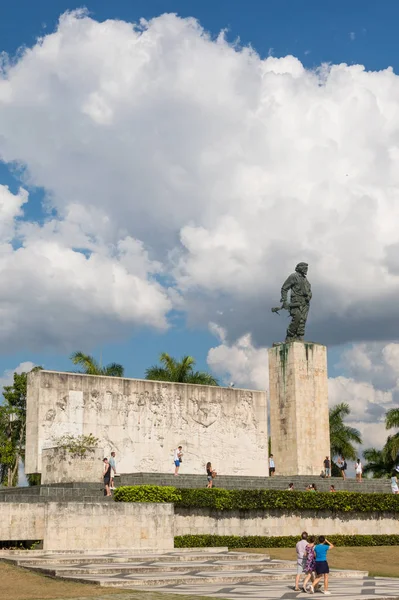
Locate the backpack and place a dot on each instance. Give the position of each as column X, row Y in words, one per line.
column 345, row 465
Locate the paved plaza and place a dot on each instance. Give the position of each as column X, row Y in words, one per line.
column 207, row 572
column 368, row 588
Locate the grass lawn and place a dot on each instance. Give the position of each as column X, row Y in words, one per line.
column 382, row 561
column 20, row 584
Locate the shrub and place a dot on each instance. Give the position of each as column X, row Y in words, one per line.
column 257, row 541
column 147, row 493
column 219, row 499
column 77, row 445
column 224, row 500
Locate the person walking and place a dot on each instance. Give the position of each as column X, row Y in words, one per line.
column 113, row 469
column 342, row 466
column 327, row 467
column 358, row 470
column 322, row 568
column 394, row 483
column 211, row 474
column 272, row 466
column 178, row 458
column 107, row 477
column 300, row 558
column 310, row 562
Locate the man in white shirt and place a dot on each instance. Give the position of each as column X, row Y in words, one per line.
column 272, row 466
column 300, row 558
column 177, row 458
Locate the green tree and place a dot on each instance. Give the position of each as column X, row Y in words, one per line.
column 391, row 422
column 89, row 366
column 342, row 437
column 379, row 462
column 179, row 371
column 13, row 428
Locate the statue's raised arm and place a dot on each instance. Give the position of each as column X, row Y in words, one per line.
column 300, row 291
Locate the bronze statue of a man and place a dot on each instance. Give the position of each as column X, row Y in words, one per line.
column 298, row 306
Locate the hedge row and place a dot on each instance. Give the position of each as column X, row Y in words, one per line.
column 219, row 499
column 257, row 541
column 147, row 493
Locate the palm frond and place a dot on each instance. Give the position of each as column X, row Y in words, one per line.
column 114, row 370
column 392, row 418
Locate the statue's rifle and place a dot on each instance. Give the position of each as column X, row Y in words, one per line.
column 276, row 309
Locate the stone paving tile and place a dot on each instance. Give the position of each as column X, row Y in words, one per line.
column 368, row 588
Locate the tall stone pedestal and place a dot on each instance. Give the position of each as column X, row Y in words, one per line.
column 299, row 426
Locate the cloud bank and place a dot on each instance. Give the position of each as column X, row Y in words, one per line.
column 169, row 155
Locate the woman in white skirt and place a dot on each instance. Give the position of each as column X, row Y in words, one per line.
column 358, row 470
column 394, row 483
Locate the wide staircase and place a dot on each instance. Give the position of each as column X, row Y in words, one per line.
column 63, row 492
column 93, row 492
column 180, row 567
column 234, row 482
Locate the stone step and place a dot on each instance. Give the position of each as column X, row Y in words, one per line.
column 53, row 562
column 202, row 577
column 166, row 567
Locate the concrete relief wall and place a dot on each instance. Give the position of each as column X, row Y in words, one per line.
column 143, row 421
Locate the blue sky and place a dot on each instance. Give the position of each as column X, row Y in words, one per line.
column 353, row 32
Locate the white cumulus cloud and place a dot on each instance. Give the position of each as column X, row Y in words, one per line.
column 223, row 167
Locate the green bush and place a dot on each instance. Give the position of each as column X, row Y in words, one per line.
column 225, row 500
column 147, row 493
column 257, row 541
column 219, row 499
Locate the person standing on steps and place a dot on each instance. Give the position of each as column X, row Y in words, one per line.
column 322, row 568
column 107, row 477
column 358, row 470
column 394, row 483
column 342, row 466
column 178, row 458
column 272, row 466
column 327, row 467
column 300, row 558
column 113, row 469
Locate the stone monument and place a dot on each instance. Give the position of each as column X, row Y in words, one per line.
column 143, row 421
column 299, row 424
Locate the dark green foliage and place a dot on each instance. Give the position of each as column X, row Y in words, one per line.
column 13, row 428
column 147, row 493
column 218, row 499
column 255, row 541
column 179, row 371
column 343, row 437
column 90, row 366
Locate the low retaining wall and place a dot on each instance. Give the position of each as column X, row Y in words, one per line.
column 60, row 466
column 88, row 526
column 200, row 521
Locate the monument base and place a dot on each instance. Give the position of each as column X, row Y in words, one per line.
column 299, row 423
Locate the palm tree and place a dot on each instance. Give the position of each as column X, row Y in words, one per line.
column 179, row 371
column 380, row 463
column 391, row 421
column 90, row 366
column 342, row 437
